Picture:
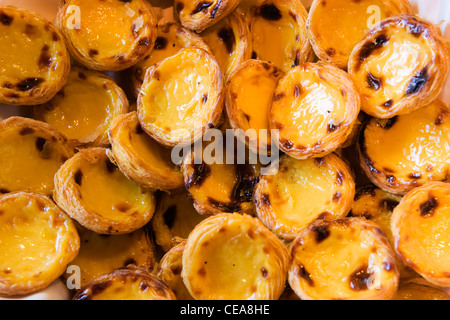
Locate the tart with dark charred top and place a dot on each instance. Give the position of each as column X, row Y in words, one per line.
column 84, row 108
column 35, row 61
column 353, row 19
column 407, row 43
column 278, row 33
column 140, row 157
column 314, row 109
column 197, row 15
column 420, row 224
column 124, row 35
column 234, row 257
column 407, row 151
column 95, row 193
column 343, row 259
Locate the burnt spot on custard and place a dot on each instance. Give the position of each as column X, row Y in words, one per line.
column 205, row 98
column 390, row 123
column 331, row 52
column 40, row 143
column 388, row 204
column 337, row 197
column 270, row 12
column 332, row 128
column 123, row 206
column 160, row 43
column 278, row 96
column 26, row 131
column 388, row 103
column 110, row 167
column 418, row 82
column 202, row 6
column 78, row 177
column 305, row 275
column 170, row 216
column 428, row 208
column 45, row 60
column 200, row 173
column 321, row 233
column 370, row 47
column 359, row 279
column 226, row 35
column 179, row 7
column 29, row 83
column 93, row 52
column 373, row 82
column 297, row 90
column 5, row 19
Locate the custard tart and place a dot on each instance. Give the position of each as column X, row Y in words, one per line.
column 403, row 43
column 344, row 259
column 278, row 33
column 84, row 108
column 406, row 151
column 420, row 224
column 140, row 157
column 95, row 193
column 302, row 191
column 353, row 19
column 181, row 97
column 234, row 257
column 31, row 152
column 38, row 240
column 35, row 61
column 126, row 284
column 314, row 109
column 418, row 292
column 108, row 35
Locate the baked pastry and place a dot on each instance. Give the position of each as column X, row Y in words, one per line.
column 234, row 257
column 124, row 35
column 416, row 292
column 30, row 154
column 181, row 97
column 126, row 284
column 302, row 191
column 38, row 241
column 407, row 43
column 407, row 151
column 140, row 157
column 84, row 108
column 420, row 228
column 95, row 193
column 353, row 19
column 344, row 259
column 35, row 61
column 278, row 32
column 198, row 15
column 314, row 109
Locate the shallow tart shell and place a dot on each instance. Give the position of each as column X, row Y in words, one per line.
column 95, row 193
column 36, row 62
column 416, row 292
column 38, row 242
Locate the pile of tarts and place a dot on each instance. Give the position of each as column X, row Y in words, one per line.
column 357, row 205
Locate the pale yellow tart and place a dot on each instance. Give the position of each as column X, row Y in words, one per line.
column 30, row 154
column 181, row 97
column 95, row 193
column 140, row 157
column 407, row 43
column 123, row 36
column 302, row 191
column 278, row 33
column 126, row 284
column 416, row 292
column 407, row 151
column 420, row 225
column 353, row 19
column 314, row 109
column 38, row 240
column 84, row 108
column 34, row 59
column 234, row 257
column 344, row 259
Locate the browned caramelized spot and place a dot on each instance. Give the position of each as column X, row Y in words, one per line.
column 200, row 173
column 129, row 261
column 78, row 177
column 226, row 35
column 331, row 52
column 319, row 161
column 359, row 280
column 251, row 234
column 3, row 190
column 440, row 119
column 170, row 216
column 264, row 273
column 415, row 176
column 388, row 103
column 428, row 208
column 297, row 90
column 279, row 96
column 337, row 197
column 390, row 123
column 265, row 198
column 332, row 127
column 416, row 29
column 110, row 167
column 93, row 52
column 305, row 275
column 202, row 6
column 205, row 98
column 7, row 85
column 29, row 29
column 144, row 42
column 26, row 131
column 160, row 43
column 215, row 9
column 176, row 270
column 321, row 233
column 123, row 207
column 270, row 12
column 339, row 178
column 5, row 19
column 254, row 55
column 179, row 7
column 40, row 143
column 418, row 82
column 370, row 47
column 287, row 144
column 82, row 75
column 45, row 60
column 55, row 36
column 373, row 82
column 391, row 179
column 388, row 204
column 143, row 286
column 387, row 265
column 29, row 83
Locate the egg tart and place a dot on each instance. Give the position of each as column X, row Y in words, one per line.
column 30, row 154
column 344, row 259
column 108, row 35
column 417, row 292
column 407, row 43
column 302, row 191
column 38, row 241
column 278, row 32
column 314, row 109
column 406, row 151
column 420, row 227
column 170, row 39
column 198, row 15
column 234, row 257
column 126, row 284
column 181, row 97
column 35, row 61
column 84, row 108
column 95, row 193
column 140, row 157
column 175, row 217
column 353, row 19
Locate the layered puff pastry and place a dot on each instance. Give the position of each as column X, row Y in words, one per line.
column 407, row 43
column 38, row 241
column 124, row 35
column 84, row 108
column 35, row 61
column 95, row 193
